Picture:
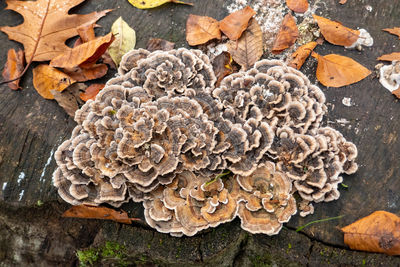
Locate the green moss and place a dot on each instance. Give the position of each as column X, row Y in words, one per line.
column 110, row 252
column 87, row 257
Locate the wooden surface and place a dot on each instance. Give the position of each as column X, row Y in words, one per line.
column 31, row 128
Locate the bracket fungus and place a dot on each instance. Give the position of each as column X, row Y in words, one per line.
column 161, row 133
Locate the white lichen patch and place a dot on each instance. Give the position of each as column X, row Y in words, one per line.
column 364, row 39
column 21, row 195
column 47, row 164
column 4, row 186
column 21, row 177
column 389, row 76
column 347, row 101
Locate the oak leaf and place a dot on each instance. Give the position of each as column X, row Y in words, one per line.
column 298, row 6
column 394, row 31
column 236, row 23
column 86, row 32
column 378, row 232
column 82, row 75
column 145, row 4
column 125, row 40
column 91, row 91
column 336, row 71
column 390, row 57
column 46, row 78
column 84, row 55
column 287, row 35
column 336, row 33
column 102, row 213
column 301, row 54
column 47, row 25
column 69, row 98
column 14, row 67
column 249, row 48
column 159, row 44
column 201, row 29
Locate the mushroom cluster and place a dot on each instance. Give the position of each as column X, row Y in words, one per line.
column 197, row 156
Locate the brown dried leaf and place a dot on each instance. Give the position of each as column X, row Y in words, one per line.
column 394, row 31
column 83, row 75
column 396, row 93
column 342, row 2
column 287, row 35
column 106, row 58
column 201, row 29
column 46, row 78
column 14, row 67
column 378, row 232
column 336, row 33
column 91, row 91
column 299, row 57
column 47, row 25
column 336, row 71
column 159, row 44
column 390, row 57
column 86, row 32
column 84, row 55
column 222, row 65
column 236, row 23
column 102, row 213
column 298, row 6
column 69, row 98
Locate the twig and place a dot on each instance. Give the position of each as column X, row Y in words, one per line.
column 317, row 221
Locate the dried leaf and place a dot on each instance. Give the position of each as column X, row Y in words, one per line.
column 201, row 29
column 91, row 91
column 298, row 6
column 145, row 4
column 249, row 48
column 396, row 93
column 287, row 35
column 159, row 44
column 336, row 71
column 46, row 78
column 390, row 57
column 236, row 23
column 125, row 40
column 378, row 232
column 222, row 65
column 47, row 25
column 394, row 31
column 106, row 58
column 86, row 32
column 14, row 67
column 342, row 2
column 102, row 213
column 299, row 57
column 83, row 75
column 84, row 55
column 336, row 33
column 69, row 98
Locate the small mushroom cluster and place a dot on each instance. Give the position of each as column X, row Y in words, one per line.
column 198, row 156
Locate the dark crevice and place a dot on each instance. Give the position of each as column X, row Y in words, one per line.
column 241, row 250
column 200, row 253
column 310, row 252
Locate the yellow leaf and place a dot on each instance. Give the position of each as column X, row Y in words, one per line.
column 145, row 4
column 46, row 78
column 125, row 40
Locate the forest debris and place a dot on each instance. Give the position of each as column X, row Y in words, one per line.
column 145, row 4
column 82, row 75
column 287, row 35
column 301, row 54
column 222, row 65
column 390, row 57
column 201, row 29
column 249, row 48
column 46, row 78
column 336, row 33
column 159, row 44
column 14, row 67
column 125, row 40
column 394, row 31
column 336, row 71
column 236, row 23
column 91, row 91
column 69, row 98
column 298, row 6
column 378, row 232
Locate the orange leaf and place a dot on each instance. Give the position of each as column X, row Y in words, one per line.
column 396, row 93
column 298, row 6
column 378, row 232
column 47, row 25
column 86, row 32
column 336, row 33
column 301, row 54
column 287, row 35
column 159, row 44
column 395, row 31
column 102, row 213
column 336, row 71
column 91, row 91
column 201, row 29
column 236, row 23
column 46, row 78
column 84, row 55
column 82, row 75
column 14, row 67
column 342, row 2
column 390, row 57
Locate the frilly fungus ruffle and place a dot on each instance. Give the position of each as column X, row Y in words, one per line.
column 161, row 133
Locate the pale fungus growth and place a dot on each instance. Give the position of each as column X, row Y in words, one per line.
column 197, row 156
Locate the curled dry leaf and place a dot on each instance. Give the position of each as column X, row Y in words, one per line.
column 91, row 73
column 86, row 32
column 69, row 98
column 102, row 213
column 91, row 91
column 46, row 78
column 336, row 33
column 222, row 66
column 236, row 23
column 390, row 57
column 394, row 31
column 342, row 2
column 201, row 29
column 159, row 44
column 14, row 67
column 336, row 71
column 249, row 48
column 145, row 4
column 298, row 6
column 378, row 232
column 287, row 35
column 125, row 40
column 301, row 54
column 84, row 55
